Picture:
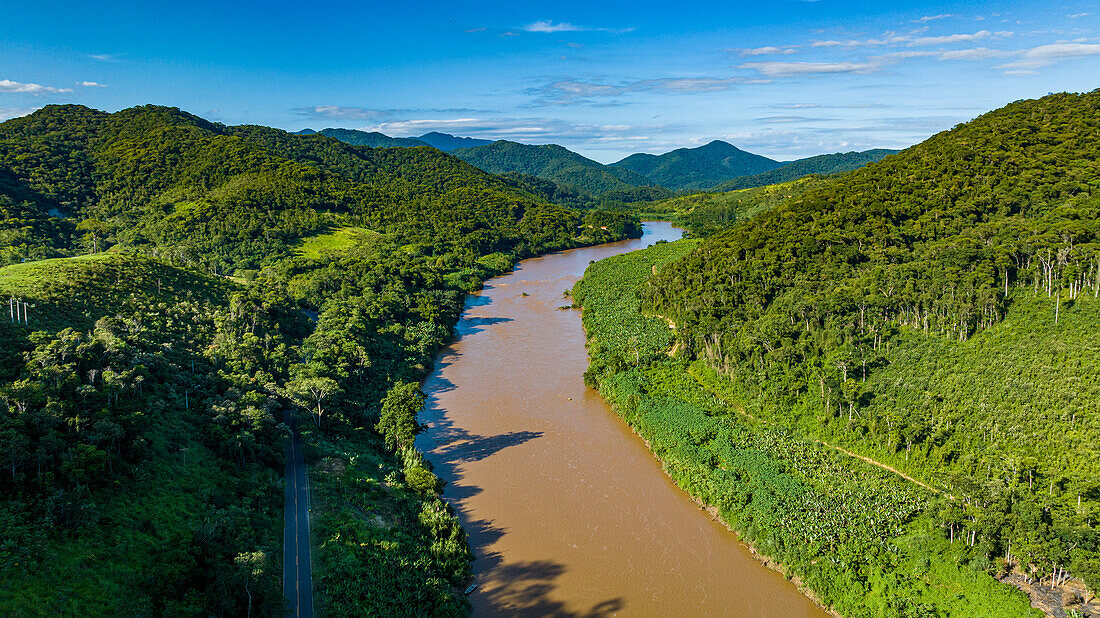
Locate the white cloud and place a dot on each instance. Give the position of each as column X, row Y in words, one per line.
column 766, row 51
column 794, row 69
column 549, row 26
column 976, row 53
column 928, row 18
column 91, row 84
column 911, row 40
column 105, row 57
column 953, row 38
column 1078, row 15
column 570, row 91
column 336, row 112
column 7, row 85
column 1045, row 55
column 7, row 113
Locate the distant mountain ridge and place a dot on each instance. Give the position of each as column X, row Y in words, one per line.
column 551, row 162
column 374, row 139
column 820, row 164
column 715, row 166
column 697, row 168
column 447, row 142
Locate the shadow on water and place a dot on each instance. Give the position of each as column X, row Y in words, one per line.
column 525, row 589
column 452, row 446
column 469, row 326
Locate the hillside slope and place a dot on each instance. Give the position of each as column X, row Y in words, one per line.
column 856, row 312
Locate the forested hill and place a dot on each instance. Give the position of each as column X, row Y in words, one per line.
column 233, row 197
column 144, row 380
column 898, row 310
column 819, row 164
column 697, row 168
column 551, row 162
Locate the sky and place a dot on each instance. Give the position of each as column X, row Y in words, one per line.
column 781, row 78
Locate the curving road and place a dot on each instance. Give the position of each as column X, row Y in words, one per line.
column 297, row 564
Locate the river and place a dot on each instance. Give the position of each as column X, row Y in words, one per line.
column 568, row 512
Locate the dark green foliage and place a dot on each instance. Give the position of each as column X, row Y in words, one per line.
column 696, row 168
column 935, row 310
column 821, row 164
column 550, row 162
column 141, row 453
column 397, row 424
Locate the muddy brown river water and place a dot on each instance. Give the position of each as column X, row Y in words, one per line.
column 568, row 513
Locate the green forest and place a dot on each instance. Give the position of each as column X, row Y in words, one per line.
column 180, row 284
column 934, row 312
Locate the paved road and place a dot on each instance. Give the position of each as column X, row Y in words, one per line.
column 297, row 564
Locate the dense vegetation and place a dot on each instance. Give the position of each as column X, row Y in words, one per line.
column 860, row 539
column 697, row 168
column 551, row 162
column 142, row 397
column 935, row 311
column 820, row 164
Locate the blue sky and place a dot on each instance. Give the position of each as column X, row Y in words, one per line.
column 783, row 78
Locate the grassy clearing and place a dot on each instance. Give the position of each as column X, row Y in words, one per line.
column 337, row 240
column 74, row 292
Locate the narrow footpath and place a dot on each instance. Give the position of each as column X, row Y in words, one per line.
column 297, row 563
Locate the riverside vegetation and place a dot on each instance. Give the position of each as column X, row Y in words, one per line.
column 935, row 312
column 182, row 283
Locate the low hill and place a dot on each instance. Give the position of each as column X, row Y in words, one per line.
column 697, row 168
column 550, row 162
column 229, row 198
column 821, row 164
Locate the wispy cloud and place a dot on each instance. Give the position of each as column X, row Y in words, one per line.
column 797, row 69
column 1078, row 15
column 913, row 39
column 91, row 84
column 106, row 57
column 7, row 85
column 530, row 130
column 928, row 18
column 793, row 119
column 572, row 91
column 337, row 112
column 1045, row 55
column 548, row 26
column 766, row 51
column 7, row 113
